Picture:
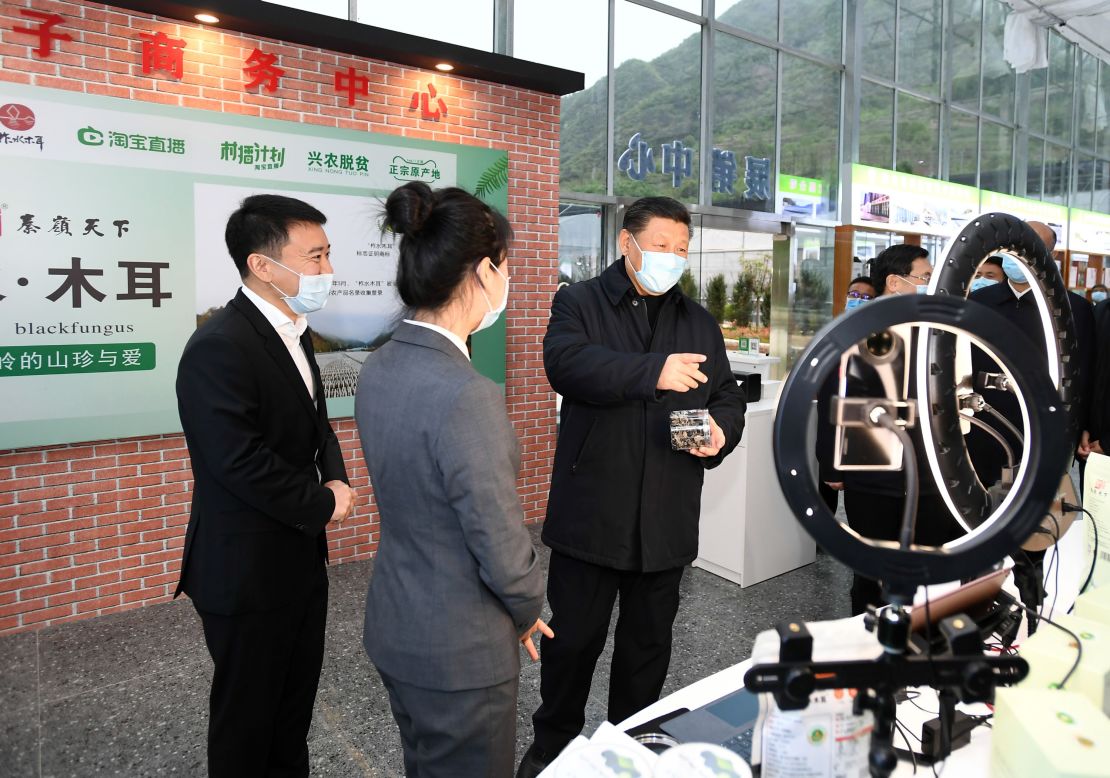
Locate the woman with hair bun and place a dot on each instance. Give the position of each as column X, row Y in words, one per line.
column 457, row 586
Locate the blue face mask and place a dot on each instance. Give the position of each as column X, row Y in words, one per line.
column 1098, row 297
column 312, row 291
column 659, row 270
column 1014, row 270
column 853, row 302
column 982, row 283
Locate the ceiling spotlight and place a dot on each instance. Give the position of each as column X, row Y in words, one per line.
column 207, row 19
column 446, row 67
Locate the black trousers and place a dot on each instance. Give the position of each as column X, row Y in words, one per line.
column 581, row 596
column 470, row 733
column 879, row 517
column 267, row 668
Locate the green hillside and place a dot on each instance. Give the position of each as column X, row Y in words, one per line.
column 662, row 100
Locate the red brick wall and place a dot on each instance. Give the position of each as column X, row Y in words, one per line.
column 95, row 528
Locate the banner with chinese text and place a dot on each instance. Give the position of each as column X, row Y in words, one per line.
column 112, row 215
column 890, row 200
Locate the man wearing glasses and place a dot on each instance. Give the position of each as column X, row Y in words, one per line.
column 860, row 291
column 873, row 500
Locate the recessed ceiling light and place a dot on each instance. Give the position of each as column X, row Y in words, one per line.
column 207, row 19
column 446, row 67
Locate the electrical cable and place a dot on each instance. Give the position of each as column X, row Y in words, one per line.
column 1055, row 558
column 909, row 465
column 998, row 437
column 1072, row 635
column 923, row 710
column 1009, row 425
column 906, row 740
column 1040, row 583
column 1094, row 557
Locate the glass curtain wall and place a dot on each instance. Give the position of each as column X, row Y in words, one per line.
column 936, row 96
column 581, row 241
column 759, row 82
column 740, row 110
column 657, row 110
column 575, row 38
column 733, row 268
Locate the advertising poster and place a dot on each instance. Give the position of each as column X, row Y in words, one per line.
column 112, row 214
column 899, row 201
column 1096, row 499
column 1089, row 231
column 1055, row 216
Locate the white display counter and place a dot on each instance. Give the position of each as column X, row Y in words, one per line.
column 752, row 363
column 748, row 532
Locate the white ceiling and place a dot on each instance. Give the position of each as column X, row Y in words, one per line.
column 1085, row 22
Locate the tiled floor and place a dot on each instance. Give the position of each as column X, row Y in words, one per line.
column 127, row 694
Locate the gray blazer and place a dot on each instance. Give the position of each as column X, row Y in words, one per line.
column 456, row 579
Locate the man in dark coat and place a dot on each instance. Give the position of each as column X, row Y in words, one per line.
column 625, row 349
column 1013, row 299
column 874, row 500
column 268, row 476
column 1099, row 416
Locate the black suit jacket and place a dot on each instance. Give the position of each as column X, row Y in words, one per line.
column 986, row 454
column 261, row 450
column 1099, row 417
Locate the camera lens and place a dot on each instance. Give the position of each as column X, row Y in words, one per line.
column 879, row 344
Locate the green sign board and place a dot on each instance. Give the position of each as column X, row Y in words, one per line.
column 908, row 203
column 76, row 358
column 797, row 185
column 112, row 215
column 1055, row 216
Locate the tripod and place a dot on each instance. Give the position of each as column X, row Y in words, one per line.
column 961, row 673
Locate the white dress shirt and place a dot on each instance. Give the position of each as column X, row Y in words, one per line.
column 459, row 342
column 290, row 333
column 1018, row 294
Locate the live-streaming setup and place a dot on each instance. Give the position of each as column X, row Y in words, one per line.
column 948, row 650
column 919, row 349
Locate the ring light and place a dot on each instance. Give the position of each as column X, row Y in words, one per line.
column 906, row 569
column 991, row 233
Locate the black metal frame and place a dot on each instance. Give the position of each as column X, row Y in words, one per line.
column 908, row 569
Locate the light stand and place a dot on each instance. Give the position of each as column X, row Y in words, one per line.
column 962, row 672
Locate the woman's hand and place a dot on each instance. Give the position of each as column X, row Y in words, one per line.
column 526, row 638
